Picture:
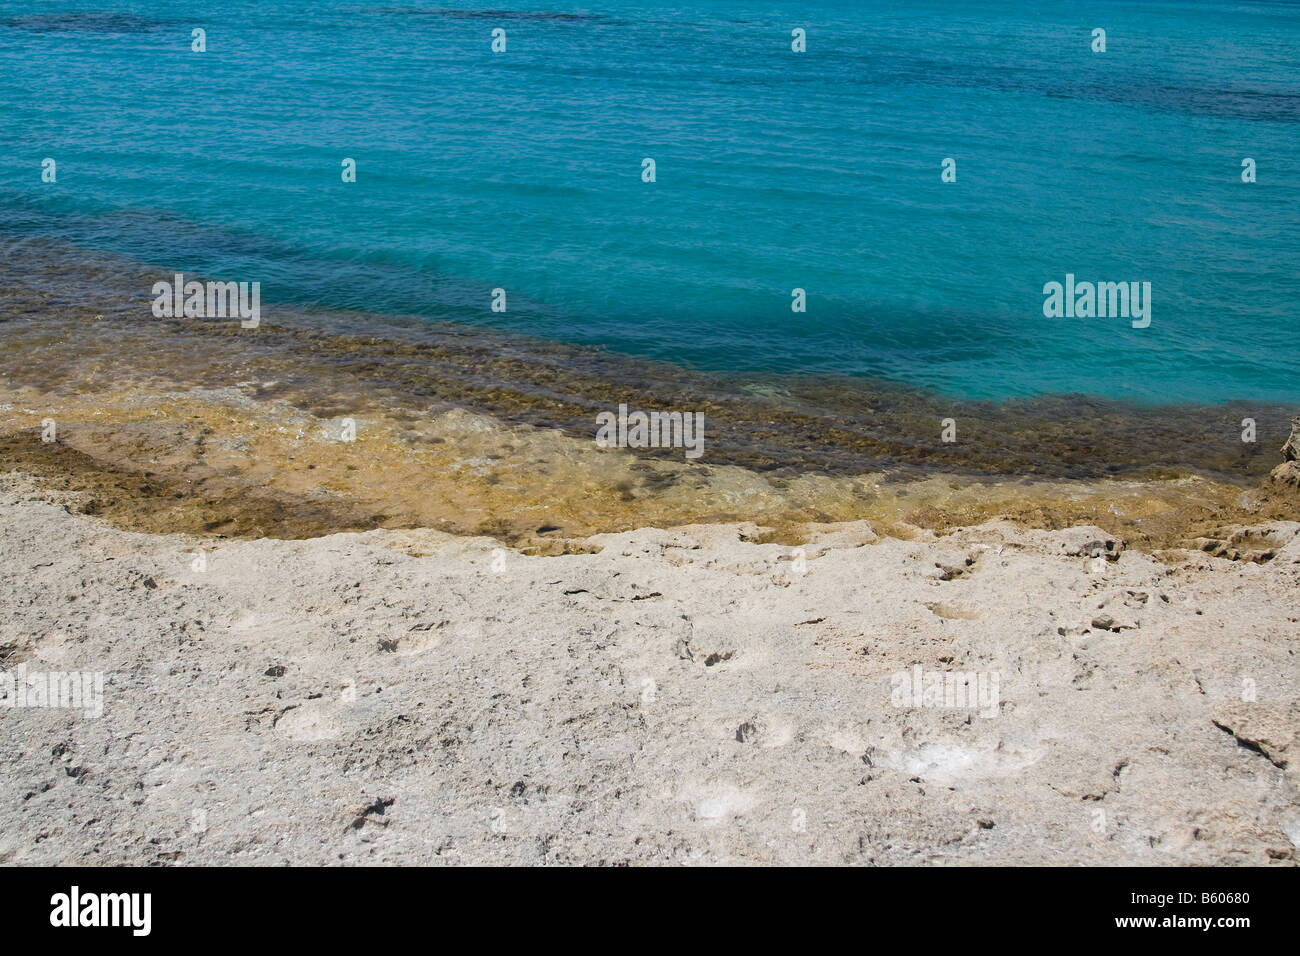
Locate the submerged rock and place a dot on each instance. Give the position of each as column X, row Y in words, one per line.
column 1287, row 474
column 1291, row 448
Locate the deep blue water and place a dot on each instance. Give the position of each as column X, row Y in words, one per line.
column 775, row 170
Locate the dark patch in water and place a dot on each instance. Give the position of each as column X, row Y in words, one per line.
column 792, row 423
column 111, row 23
column 1245, row 104
column 516, row 15
column 875, row 69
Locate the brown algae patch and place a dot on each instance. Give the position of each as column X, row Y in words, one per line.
column 226, row 462
column 69, row 326
column 199, row 426
column 236, row 462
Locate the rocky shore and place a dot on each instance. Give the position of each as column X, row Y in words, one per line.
column 688, row 695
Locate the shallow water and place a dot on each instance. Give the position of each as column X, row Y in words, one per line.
column 200, row 426
column 77, row 322
column 776, row 170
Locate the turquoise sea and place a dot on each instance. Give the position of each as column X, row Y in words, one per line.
column 775, row 170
